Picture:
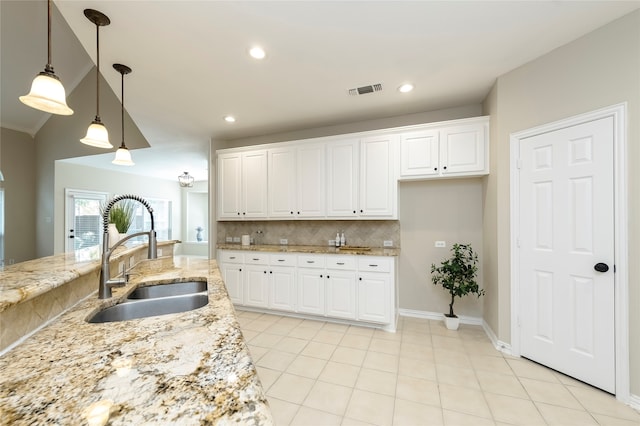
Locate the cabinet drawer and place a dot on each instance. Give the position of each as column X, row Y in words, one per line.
column 231, row 257
column 341, row 262
column 282, row 260
column 256, row 258
column 374, row 264
column 311, row 261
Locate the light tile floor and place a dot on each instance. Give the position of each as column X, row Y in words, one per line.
column 321, row 373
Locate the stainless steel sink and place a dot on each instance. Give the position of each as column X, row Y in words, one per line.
column 166, row 290
column 142, row 308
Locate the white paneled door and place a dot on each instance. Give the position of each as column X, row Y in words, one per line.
column 566, row 251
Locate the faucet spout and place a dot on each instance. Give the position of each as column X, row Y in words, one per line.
column 106, row 283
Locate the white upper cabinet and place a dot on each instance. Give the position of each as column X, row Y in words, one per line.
column 342, row 178
column 311, row 198
column 282, row 182
column 378, row 180
column 449, row 149
column 242, row 185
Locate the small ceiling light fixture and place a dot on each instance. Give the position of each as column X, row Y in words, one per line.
column 405, row 88
column 185, row 180
column 123, row 156
column 229, row 119
column 47, row 92
column 97, row 134
column 257, row 52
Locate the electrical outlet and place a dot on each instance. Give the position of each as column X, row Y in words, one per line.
column 228, row 239
column 236, row 239
column 440, row 244
column 284, row 241
column 388, row 243
column 332, row 243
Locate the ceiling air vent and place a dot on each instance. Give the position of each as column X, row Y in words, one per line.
column 365, row 89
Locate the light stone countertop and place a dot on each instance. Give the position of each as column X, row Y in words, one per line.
column 361, row 251
column 185, row 368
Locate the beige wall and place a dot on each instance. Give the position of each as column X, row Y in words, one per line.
column 17, row 162
column 437, row 210
column 75, row 176
column 597, row 70
column 60, row 137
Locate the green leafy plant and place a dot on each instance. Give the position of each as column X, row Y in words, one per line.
column 458, row 274
column 121, row 214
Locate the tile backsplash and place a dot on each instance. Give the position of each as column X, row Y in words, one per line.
column 369, row 233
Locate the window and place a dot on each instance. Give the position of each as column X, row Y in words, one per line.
column 161, row 216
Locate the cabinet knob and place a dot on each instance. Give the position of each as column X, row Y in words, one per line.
column 265, row 272
column 328, row 276
column 244, row 213
column 354, row 212
column 361, row 211
column 435, row 169
column 238, row 213
column 291, row 212
column 321, row 276
column 445, row 167
column 298, row 212
column 360, row 278
column 271, row 272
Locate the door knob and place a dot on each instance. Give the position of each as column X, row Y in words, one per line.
column 601, row 267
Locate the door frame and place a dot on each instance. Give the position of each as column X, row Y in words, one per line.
column 68, row 193
column 621, row 276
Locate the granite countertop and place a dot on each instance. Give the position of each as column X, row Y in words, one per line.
column 26, row 280
column 362, row 251
column 185, row 368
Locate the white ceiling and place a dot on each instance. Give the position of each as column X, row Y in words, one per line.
column 191, row 65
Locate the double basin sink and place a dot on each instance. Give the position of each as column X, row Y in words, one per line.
column 156, row 300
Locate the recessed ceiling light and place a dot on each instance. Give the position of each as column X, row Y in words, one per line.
column 229, row 119
column 257, row 52
column 405, row 88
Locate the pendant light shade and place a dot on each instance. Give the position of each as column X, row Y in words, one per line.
column 123, row 156
column 185, row 180
column 97, row 134
column 47, row 92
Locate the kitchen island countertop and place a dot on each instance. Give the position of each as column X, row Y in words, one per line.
column 185, row 368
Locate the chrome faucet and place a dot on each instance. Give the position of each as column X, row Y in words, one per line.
column 104, row 290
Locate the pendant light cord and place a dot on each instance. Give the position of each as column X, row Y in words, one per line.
column 49, row 68
column 98, row 73
column 122, row 110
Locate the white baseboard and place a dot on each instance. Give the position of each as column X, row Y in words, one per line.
column 634, row 402
column 437, row 316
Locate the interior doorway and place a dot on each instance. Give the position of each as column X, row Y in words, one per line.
column 83, row 219
column 568, row 265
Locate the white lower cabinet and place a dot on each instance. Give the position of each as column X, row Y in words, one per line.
column 341, row 294
column 346, row 287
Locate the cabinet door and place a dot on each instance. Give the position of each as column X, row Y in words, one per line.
column 229, row 185
column 232, row 276
column 342, row 178
column 462, row 149
column 311, row 291
column 373, row 297
column 378, row 183
column 282, row 294
column 341, row 294
column 311, row 196
column 256, row 286
column 254, row 184
column 282, row 182
column 419, row 153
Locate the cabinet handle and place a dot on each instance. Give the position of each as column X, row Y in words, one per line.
column 259, row 259
column 232, row 257
column 311, row 261
column 340, row 263
column 374, row 266
column 280, row 260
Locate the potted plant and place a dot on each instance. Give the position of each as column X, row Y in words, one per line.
column 457, row 275
column 120, row 217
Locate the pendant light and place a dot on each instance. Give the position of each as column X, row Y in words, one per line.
column 123, row 156
column 97, row 134
column 47, row 92
column 185, row 180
